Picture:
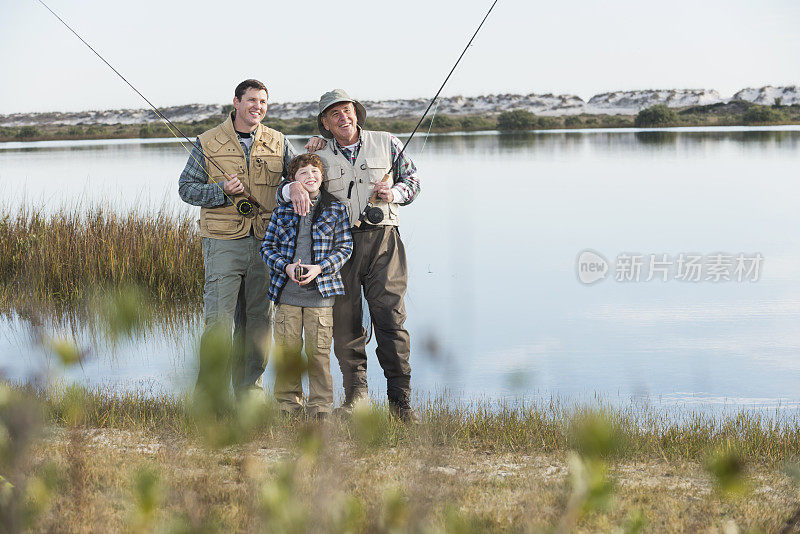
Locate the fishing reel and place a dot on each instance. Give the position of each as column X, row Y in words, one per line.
column 373, row 215
column 246, row 208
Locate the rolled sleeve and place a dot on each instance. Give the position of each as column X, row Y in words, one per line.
column 406, row 185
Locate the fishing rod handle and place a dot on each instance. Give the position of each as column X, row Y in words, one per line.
column 374, row 198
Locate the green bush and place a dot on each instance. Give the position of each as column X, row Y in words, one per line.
column 306, row 127
column 658, row 115
column 762, row 115
column 477, row 123
column 614, row 121
column 518, row 119
column 94, row 131
column 27, row 132
column 399, row 126
column 547, row 122
column 573, row 122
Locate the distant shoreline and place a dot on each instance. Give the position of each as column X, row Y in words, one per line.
column 55, row 143
column 740, row 114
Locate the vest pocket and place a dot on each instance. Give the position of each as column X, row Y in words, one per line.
column 269, row 171
column 334, row 185
column 224, row 224
column 377, row 168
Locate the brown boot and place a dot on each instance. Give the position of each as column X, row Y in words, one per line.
column 403, row 411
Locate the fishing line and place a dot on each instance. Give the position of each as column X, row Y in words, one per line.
column 172, row 129
column 370, row 212
column 433, row 116
column 442, row 86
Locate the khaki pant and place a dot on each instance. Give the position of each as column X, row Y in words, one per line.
column 235, row 296
column 290, row 324
column 378, row 263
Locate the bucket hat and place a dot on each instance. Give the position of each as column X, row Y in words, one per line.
column 337, row 96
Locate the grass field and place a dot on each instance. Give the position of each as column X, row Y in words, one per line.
column 101, row 461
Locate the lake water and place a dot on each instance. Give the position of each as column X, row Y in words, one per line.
column 496, row 308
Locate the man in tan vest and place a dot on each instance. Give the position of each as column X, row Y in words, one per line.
column 355, row 162
column 253, row 159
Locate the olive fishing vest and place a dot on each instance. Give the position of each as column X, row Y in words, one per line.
column 352, row 184
column 261, row 177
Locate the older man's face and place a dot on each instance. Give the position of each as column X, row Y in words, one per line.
column 341, row 121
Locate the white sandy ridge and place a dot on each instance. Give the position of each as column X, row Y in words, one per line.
column 613, row 103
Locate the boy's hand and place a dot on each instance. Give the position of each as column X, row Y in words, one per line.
column 299, row 197
column 291, row 269
column 312, row 272
column 315, row 143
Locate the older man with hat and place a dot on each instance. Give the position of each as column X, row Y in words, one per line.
column 356, row 161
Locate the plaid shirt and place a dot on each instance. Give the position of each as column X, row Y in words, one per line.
column 193, row 186
column 331, row 239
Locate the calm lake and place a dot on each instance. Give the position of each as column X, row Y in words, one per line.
column 497, row 304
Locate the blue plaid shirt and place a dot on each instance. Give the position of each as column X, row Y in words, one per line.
column 331, row 239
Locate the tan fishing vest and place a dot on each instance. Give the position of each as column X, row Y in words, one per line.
column 261, row 177
column 374, row 158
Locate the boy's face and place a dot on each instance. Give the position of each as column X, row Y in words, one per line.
column 311, row 178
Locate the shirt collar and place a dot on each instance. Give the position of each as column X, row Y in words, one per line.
column 358, row 144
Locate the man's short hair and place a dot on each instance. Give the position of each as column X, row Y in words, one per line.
column 249, row 84
column 301, row 161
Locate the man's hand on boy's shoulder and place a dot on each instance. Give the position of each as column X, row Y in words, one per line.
column 300, row 199
column 315, row 143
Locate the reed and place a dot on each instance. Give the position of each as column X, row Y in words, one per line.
column 67, row 256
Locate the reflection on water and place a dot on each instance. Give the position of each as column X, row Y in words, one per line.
column 494, row 306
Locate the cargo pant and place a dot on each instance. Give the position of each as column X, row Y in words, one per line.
column 292, row 323
column 378, row 263
column 235, row 296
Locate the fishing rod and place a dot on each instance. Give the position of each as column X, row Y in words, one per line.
column 374, row 214
column 248, row 206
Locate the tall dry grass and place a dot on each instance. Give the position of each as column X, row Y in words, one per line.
column 66, row 256
column 535, row 427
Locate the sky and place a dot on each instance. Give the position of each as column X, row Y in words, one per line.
column 180, row 52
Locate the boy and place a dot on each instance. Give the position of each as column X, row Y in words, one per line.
column 304, row 292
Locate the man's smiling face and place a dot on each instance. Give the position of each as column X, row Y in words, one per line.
column 341, row 120
column 251, row 109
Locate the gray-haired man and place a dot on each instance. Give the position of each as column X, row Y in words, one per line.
column 355, row 162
